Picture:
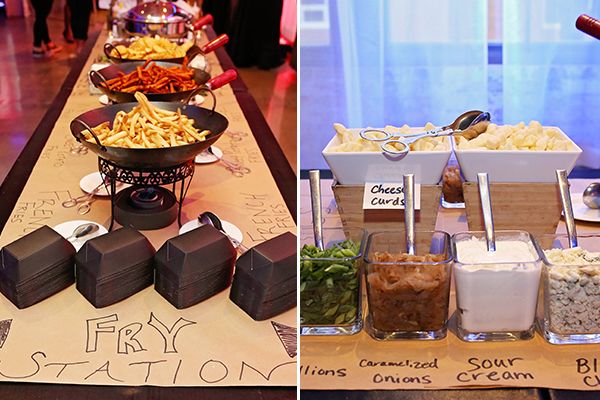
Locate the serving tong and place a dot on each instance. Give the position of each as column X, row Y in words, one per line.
column 465, row 121
column 237, row 170
column 84, row 202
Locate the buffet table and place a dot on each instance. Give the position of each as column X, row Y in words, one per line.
column 213, row 344
column 360, row 367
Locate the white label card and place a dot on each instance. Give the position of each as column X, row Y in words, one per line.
column 388, row 196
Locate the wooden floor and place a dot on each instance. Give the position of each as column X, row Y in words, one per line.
column 28, row 87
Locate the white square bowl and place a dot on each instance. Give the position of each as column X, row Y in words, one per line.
column 356, row 168
column 516, row 165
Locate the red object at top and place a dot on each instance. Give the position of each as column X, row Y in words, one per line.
column 589, row 25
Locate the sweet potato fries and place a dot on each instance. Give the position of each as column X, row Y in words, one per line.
column 151, row 78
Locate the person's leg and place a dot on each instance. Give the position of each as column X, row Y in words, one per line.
column 67, row 32
column 80, row 20
column 45, row 8
column 39, row 23
column 46, row 41
column 41, row 36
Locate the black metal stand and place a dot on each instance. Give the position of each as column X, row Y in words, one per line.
column 146, row 177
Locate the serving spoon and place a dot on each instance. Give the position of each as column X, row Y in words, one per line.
column 565, row 198
column 591, row 195
column 463, row 125
column 315, row 202
column 486, row 206
column 208, row 218
column 83, row 230
column 409, row 212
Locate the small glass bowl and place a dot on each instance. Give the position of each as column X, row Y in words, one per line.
column 330, row 288
column 496, row 301
column 571, row 292
column 407, row 295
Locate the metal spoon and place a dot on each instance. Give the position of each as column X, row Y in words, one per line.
column 83, row 230
column 486, row 206
column 208, row 218
column 591, row 195
column 409, row 212
column 565, row 198
column 315, row 202
column 468, row 119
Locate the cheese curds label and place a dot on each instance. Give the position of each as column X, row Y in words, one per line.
column 388, row 196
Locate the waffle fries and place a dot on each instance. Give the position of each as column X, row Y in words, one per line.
column 151, row 48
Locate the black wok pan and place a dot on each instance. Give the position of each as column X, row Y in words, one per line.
column 202, row 79
column 190, row 54
column 150, row 158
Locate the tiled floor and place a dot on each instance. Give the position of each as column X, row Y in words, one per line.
column 28, row 87
column 371, row 77
column 275, row 93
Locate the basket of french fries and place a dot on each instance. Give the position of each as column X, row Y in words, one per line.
column 148, row 134
column 159, row 48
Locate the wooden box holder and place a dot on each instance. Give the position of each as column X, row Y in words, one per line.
column 349, row 199
column 532, row 207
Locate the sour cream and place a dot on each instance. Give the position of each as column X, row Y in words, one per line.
column 496, row 291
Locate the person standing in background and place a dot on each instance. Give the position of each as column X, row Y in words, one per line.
column 67, row 32
column 254, row 34
column 42, row 44
column 80, row 20
column 221, row 12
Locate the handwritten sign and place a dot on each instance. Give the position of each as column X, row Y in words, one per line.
column 399, row 371
column 387, row 196
column 494, row 370
column 142, row 341
column 587, row 369
column 269, row 218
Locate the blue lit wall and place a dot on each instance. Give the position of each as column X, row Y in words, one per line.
column 372, row 63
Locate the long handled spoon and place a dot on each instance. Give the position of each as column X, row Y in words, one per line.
column 486, row 206
column 315, row 201
column 565, row 198
column 409, row 212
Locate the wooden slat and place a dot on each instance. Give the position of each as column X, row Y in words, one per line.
column 572, row 395
column 533, row 207
column 479, row 394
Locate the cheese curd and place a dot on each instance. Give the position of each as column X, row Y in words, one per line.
column 517, row 137
column 350, row 141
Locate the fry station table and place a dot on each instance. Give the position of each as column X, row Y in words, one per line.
column 360, row 367
column 143, row 347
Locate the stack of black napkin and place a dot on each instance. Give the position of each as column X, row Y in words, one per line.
column 36, row 266
column 112, row 267
column 264, row 284
column 194, row 266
